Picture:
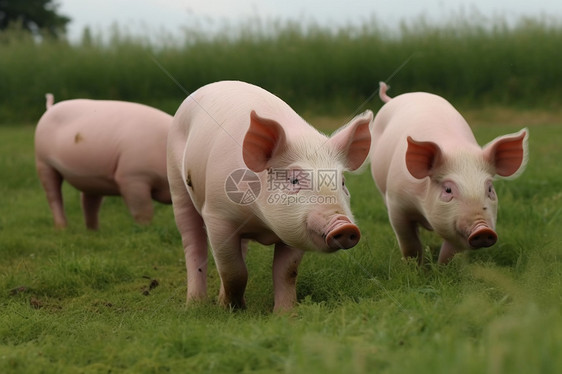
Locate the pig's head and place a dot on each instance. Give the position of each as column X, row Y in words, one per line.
column 461, row 203
column 306, row 202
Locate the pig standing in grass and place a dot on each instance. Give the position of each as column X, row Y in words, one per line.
column 431, row 172
column 103, row 148
column 243, row 165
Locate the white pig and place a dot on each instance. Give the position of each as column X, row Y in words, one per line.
column 230, row 131
column 431, row 172
column 103, row 147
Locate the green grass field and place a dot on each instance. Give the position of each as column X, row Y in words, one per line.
column 75, row 301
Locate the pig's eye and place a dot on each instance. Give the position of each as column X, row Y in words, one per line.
column 294, row 184
column 491, row 191
column 344, row 187
column 448, row 191
column 298, row 179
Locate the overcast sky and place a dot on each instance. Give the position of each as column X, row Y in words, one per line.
column 153, row 16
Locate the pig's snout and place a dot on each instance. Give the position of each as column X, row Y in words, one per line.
column 482, row 236
column 342, row 234
column 344, row 237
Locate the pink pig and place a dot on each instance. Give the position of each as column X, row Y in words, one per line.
column 103, row 148
column 229, row 132
column 431, row 172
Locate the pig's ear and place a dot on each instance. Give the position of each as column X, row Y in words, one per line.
column 422, row 158
column 264, row 140
column 354, row 140
column 508, row 153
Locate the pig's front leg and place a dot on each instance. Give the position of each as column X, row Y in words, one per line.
column 91, row 206
column 407, row 233
column 286, row 262
column 446, row 253
column 229, row 252
column 137, row 196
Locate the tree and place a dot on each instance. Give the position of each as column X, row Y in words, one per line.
column 36, row 16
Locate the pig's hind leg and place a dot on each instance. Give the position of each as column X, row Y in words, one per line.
column 229, row 251
column 194, row 241
column 52, row 180
column 192, row 230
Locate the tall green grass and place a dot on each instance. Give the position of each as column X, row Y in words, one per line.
column 474, row 60
column 114, row 300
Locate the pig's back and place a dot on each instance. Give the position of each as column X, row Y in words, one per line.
column 209, row 127
column 424, row 117
column 86, row 139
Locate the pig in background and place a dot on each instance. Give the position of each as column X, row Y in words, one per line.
column 229, row 127
column 431, row 172
column 103, row 148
